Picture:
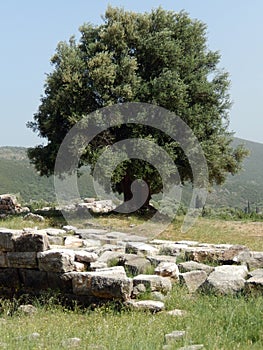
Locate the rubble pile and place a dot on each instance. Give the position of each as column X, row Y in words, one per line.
column 10, row 205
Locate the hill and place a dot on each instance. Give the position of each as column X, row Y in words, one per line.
column 17, row 175
column 247, row 186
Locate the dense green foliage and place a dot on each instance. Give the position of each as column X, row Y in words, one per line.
column 160, row 58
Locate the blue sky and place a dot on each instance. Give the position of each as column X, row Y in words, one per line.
column 31, row 29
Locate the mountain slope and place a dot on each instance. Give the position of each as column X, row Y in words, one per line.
column 247, row 186
column 17, row 175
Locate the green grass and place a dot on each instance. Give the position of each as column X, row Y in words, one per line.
column 220, row 323
column 204, row 230
column 16, row 222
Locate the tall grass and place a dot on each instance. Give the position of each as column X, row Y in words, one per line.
column 220, row 323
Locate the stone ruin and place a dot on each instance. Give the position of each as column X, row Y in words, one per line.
column 88, row 204
column 96, row 265
column 10, row 205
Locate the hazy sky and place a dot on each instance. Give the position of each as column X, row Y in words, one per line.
column 31, row 29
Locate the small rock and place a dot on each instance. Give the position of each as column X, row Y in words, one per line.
column 34, row 217
column 176, row 312
column 71, row 342
column 150, row 305
column 34, row 335
column 91, row 243
column 116, row 235
column 174, row 336
column 79, row 267
column 189, row 243
column 27, row 309
column 167, row 269
column 139, row 289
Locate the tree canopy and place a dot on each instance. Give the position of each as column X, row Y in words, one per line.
column 161, row 58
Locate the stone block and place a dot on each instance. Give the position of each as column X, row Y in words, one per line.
column 254, row 285
column 97, row 265
column 3, row 260
column 256, row 273
column 56, row 240
column 33, row 279
column 31, row 242
column 79, row 267
column 167, row 269
column 153, row 283
column 141, row 248
column 157, row 259
column 103, row 284
column 26, row 260
column 56, row 260
column 137, row 265
column 194, row 266
column 146, row 305
column 9, row 278
column 226, row 279
column 60, row 281
column 85, row 257
column 221, row 253
column 173, row 249
column 193, row 279
column 73, row 242
column 110, row 257
column 7, row 237
column 255, row 261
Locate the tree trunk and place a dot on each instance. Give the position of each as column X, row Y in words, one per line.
column 126, row 188
column 128, row 195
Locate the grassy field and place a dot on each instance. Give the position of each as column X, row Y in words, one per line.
column 220, row 323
